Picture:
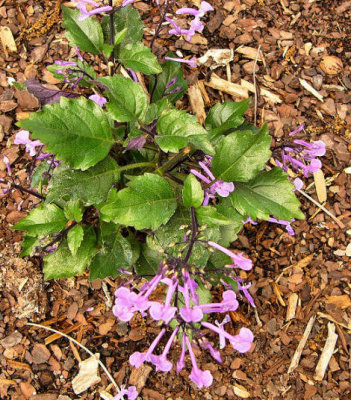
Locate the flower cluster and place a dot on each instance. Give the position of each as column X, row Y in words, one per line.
column 302, row 156
column 182, row 306
column 219, row 187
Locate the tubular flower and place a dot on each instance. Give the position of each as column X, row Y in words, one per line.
column 82, row 6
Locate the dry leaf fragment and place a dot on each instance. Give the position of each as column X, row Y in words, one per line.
column 241, row 391
column 327, row 352
column 331, row 65
column 311, row 89
column 227, row 87
column 249, row 52
column 321, row 188
column 197, row 102
column 220, row 57
column 7, row 39
column 292, row 304
column 87, row 375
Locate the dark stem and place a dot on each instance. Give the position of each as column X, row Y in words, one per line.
column 22, row 189
column 83, row 72
column 159, row 26
column 58, row 237
column 173, row 162
column 194, row 233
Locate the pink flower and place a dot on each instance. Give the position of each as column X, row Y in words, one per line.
column 161, row 363
column 199, row 377
column 22, row 137
column 191, row 62
column 99, row 100
column 239, row 260
column 82, row 7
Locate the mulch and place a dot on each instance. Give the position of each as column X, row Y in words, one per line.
column 311, row 269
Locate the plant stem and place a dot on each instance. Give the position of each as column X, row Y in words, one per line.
column 194, row 233
column 112, row 32
column 81, row 346
column 22, row 189
column 58, row 237
column 136, row 165
column 170, row 164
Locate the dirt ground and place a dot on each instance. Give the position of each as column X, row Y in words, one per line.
column 311, row 269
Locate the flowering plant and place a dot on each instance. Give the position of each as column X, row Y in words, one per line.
column 129, row 184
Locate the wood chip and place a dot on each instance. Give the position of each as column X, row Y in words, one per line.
column 240, row 391
column 7, row 39
column 331, row 65
column 266, row 94
column 197, row 103
column 219, row 57
column 297, row 355
column 87, row 375
column 249, row 52
column 342, row 301
column 292, row 304
column 321, row 187
column 327, row 352
column 223, row 85
column 310, row 89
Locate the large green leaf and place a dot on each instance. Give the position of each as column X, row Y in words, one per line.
column 77, row 131
column 177, row 128
column 127, row 100
column 74, row 238
column 225, row 116
column 193, row 195
column 229, row 232
column 147, row 203
column 90, row 186
column 175, row 235
column 208, row 215
column 269, row 193
column 116, row 252
column 147, row 263
column 139, row 58
column 241, row 155
column 125, row 18
column 62, row 264
column 43, row 220
column 170, row 70
column 86, row 34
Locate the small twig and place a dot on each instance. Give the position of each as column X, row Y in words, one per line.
column 81, row 346
column 254, row 82
column 341, row 225
column 296, row 358
column 327, row 352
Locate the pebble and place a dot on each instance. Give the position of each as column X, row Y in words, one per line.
column 40, row 354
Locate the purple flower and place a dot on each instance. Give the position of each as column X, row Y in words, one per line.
column 131, row 393
column 134, row 75
column 136, row 142
column 161, row 363
column 191, row 62
column 136, row 359
column 205, row 344
column 78, row 54
column 238, row 259
column 199, row 377
column 204, row 7
column 314, row 149
column 297, row 130
column 22, row 137
column 298, row 184
column 226, row 319
column 181, row 362
column 229, row 303
column 7, row 163
column 164, row 311
column 82, row 7
column 99, row 100
column 287, row 224
column 189, row 314
column 126, row 2
column 249, row 220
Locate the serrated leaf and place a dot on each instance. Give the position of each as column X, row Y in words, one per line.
column 116, row 253
column 73, row 210
column 29, row 244
column 61, row 263
column 86, row 34
column 43, row 220
column 174, row 238
column 229, row 232
column 241, row 155
column 45, row 95
column 77, row 131
column 269, row 193
column 225, row 116
column 147, row 203
column 90, row 186
column 193, row 195
column 177, row 128
column 208, row 215
column 74, row 238
column 127, row 100
column 170, row 70
column 125, row 18
column 139, row 58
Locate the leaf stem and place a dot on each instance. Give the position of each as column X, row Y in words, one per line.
column 136, row 165
column 112, row 32
column 170, row 164
column 22, row 189
column 194, row 233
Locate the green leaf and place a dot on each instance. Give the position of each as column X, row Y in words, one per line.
column 116, row 252
column 86, row 34
column 127, row 99
column 76, row 131
column 225, row 116
column 193, row 195
column 43, row 220
column 148, row 261
column 74, row 238
column 229, row 232
column 139, row 58
column 269, row 193
column 90, row 186
column 39, row 177
column 154, row 111
column 62, row 264
column 73, row 210
column 125, row 18
column 29, row 244
column 86, row 81
column 170, row 237
column 177, row 128
column 241, row 155
column 208, row 215
column 147, row 203
column 170, row 70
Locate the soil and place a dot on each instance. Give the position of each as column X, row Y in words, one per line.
column 312, row 266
